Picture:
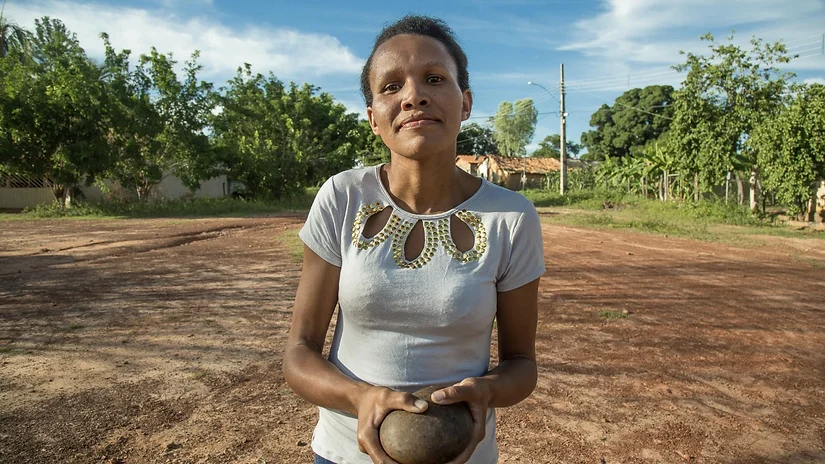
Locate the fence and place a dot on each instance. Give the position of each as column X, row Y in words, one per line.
column 18, row 192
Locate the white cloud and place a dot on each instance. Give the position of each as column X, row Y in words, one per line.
column 288, row 53
column 653, row 31
column 815, row 80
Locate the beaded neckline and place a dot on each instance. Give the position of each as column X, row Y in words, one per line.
column 436, row 235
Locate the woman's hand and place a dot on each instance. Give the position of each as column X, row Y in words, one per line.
column 476, row 393
column 373, row 405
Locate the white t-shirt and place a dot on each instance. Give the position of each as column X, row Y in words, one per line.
column 409, row 324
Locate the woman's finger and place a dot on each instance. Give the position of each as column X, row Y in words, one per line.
column 467, row 390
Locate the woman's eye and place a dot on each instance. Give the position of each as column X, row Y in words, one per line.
column 391, row 87
column 434, row 79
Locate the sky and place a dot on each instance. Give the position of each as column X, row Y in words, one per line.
column 606, row 46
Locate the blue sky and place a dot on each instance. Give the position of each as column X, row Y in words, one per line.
column 607, row 46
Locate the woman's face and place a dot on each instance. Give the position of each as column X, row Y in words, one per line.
column 417, row 105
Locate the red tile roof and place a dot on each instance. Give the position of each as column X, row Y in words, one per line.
column 470, row 159
column 529, row 164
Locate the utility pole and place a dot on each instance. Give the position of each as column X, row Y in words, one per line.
column 563, row 147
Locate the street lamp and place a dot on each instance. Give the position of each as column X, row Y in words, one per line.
column 543, row 88
column 562, row 135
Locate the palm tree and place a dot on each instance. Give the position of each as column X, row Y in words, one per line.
column 11, row 35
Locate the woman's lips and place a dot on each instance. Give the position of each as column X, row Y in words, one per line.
column 418, row 123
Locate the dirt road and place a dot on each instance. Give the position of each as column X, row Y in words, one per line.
column 154, row 341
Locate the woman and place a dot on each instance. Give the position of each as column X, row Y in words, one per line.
column 420, row 258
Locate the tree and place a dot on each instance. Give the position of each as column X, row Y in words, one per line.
column 53, row 112
column 549, row 148
column 12, row 36
column 637, row 117
column 371, row 150
column 158, row 122
column 277, row 140
column 322, row 135
column 724, row 96
column 474, row 139
column 791, row 148
column 514, row 125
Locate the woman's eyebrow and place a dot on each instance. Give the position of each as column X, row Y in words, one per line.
column 435, row 64
column 399, row 69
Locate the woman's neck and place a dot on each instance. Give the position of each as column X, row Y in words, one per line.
column 428, row 186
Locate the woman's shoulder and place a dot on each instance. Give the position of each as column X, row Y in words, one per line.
column 504, row 199
column 358, row 178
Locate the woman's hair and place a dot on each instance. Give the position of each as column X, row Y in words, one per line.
column 418, row 25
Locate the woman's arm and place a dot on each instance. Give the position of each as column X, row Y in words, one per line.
column 315, row 379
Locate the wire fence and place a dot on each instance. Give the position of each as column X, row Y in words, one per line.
column 16, row 181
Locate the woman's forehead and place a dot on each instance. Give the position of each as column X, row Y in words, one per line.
column 407, row 49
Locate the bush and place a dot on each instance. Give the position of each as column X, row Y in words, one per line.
column 174, row 208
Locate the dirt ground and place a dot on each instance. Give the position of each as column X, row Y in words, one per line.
column 155, row 341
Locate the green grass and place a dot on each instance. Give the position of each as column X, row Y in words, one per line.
column 612, row 315
column 6, row 349
column 583, row 199
column 292, row 242
column 197, row 207
column 703, row 220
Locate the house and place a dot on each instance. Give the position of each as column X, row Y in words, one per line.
column 470, row 163
column 508, row 172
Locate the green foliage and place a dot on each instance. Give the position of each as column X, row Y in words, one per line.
column 67, row 119
column 53, row 111
column 12, row 37
column 577, row 179
column 791, row 148
column 276, row 139
column 474, row 139
column 638, row 117
column 174, row 208
column 593, row 199
column 157, row 122
column 724, row 96
column 550, row 148
column 514, row 125
column 370, row 148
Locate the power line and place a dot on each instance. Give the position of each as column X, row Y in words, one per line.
column 633, row 107
column 622, row 78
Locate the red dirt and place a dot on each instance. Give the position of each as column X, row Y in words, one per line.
column 138, row 341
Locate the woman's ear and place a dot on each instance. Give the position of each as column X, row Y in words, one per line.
column 371, row 119
column 466, row 105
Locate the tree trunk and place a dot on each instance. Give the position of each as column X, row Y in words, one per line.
column 696, row 194
column 820, row 203
column 754, row 184
column 740, row 189
column 67, row 197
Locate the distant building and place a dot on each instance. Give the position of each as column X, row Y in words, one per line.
column 508, row 172
column 470, row 163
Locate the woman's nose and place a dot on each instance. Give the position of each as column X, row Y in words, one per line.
column 415, row 97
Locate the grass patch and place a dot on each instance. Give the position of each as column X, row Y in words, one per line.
column 290, row 240
column 74, row 327
column 199, row 374
column 6, row 349
column 194, row 207
column 612, row 315
column 704, row 220
column 584, row 199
